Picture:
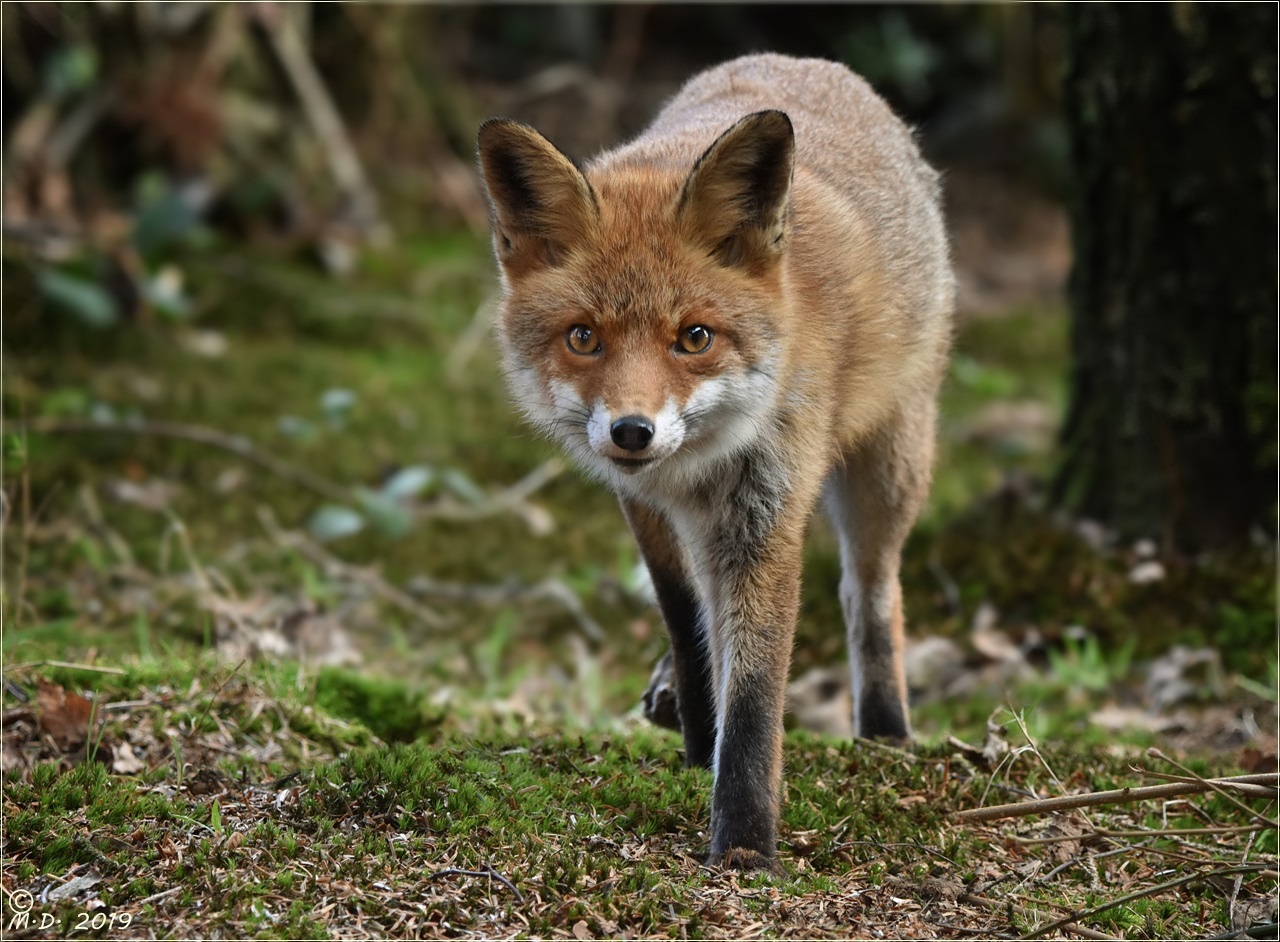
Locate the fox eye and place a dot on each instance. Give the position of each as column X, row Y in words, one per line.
column 695, row 339
column 582, row 339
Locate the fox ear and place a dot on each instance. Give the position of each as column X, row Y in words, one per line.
column 542, row 204
column 737, row 200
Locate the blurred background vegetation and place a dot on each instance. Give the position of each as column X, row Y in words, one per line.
column 251, row 400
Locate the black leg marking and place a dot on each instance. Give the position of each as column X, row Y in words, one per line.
column 880, row 716
column 683, row 612
column 744, row 808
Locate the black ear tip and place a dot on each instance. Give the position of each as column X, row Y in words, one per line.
column 773, row 121
column 489, row 127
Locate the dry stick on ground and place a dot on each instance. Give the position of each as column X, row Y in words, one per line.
column 1157, row 754
column 1248, row 784
column 1163, row 832
column 549, row 589
column 508, row 500
column 65, row 665
column 368, row 578
column 1013, row 908
column 198, row 434
column 1138, row 894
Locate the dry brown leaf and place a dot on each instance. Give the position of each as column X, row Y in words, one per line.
column 1252, row 759
column 64, row 717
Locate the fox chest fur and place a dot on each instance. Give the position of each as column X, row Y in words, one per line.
column 741, row 313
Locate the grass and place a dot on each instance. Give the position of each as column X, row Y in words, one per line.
column 532, row 831
column 479, row 770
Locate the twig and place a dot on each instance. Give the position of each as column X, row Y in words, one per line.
column 201, row 435
column 286, row 42
column 1167, row 832
column 1006, row 907
column 163, row 894
column 66, row 665
column 1138, row 894
column 482, row 594
column 1112, row 797
column 504, row 500
column 487, row 872
column 195, row 727
column 373, row 581
column 1258, row 793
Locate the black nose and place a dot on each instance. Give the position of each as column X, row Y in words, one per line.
column 632, row 432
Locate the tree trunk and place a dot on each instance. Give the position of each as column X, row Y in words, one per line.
column 1171, row 431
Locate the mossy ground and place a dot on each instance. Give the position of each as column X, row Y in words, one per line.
column 282, row 800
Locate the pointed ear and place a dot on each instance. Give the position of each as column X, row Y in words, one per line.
column 542, row 204
column 737, row 201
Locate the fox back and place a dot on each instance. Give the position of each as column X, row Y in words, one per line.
column 742, row 311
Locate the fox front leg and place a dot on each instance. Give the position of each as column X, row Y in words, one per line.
column 682, row 610
column 757, row 558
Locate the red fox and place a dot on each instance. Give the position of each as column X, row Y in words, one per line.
column 744, row 311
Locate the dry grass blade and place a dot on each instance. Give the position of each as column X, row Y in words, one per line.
column 488, row 872
column 65, row 665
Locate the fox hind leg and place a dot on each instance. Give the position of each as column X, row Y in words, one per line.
column 873, row 499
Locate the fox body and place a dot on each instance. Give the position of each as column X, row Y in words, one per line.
column 740, row 314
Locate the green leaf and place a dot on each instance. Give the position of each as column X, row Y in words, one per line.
column 70, row 70
column 85, row 300
column 333, row 521
column 982, row 379
column 390, row 518
column 164, row 217
column 164, row 291
column 463, row 486
column 408, row 482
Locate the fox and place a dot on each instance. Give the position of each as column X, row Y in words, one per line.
column 740, row 314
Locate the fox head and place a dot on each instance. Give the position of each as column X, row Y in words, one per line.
column 641, row 322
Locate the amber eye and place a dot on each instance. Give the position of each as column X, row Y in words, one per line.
column 582, row 339
column 695, row 339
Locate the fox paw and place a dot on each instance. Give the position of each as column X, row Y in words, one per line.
column 660, row 703
column 746, row 861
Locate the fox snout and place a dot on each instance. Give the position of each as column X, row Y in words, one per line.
column 632, row 432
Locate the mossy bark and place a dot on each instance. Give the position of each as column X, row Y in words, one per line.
column 1171, row 431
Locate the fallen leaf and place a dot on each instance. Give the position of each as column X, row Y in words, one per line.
column 1258, row 760
column 64, row 717
column 75, row 887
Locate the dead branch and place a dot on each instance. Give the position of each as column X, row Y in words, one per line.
column 509, row 499
column 287, row 43
column 367, row 577
column 1192, row 776
column 201, row 435
column 998, row 906
column 1245, row 784
column 551, row 590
